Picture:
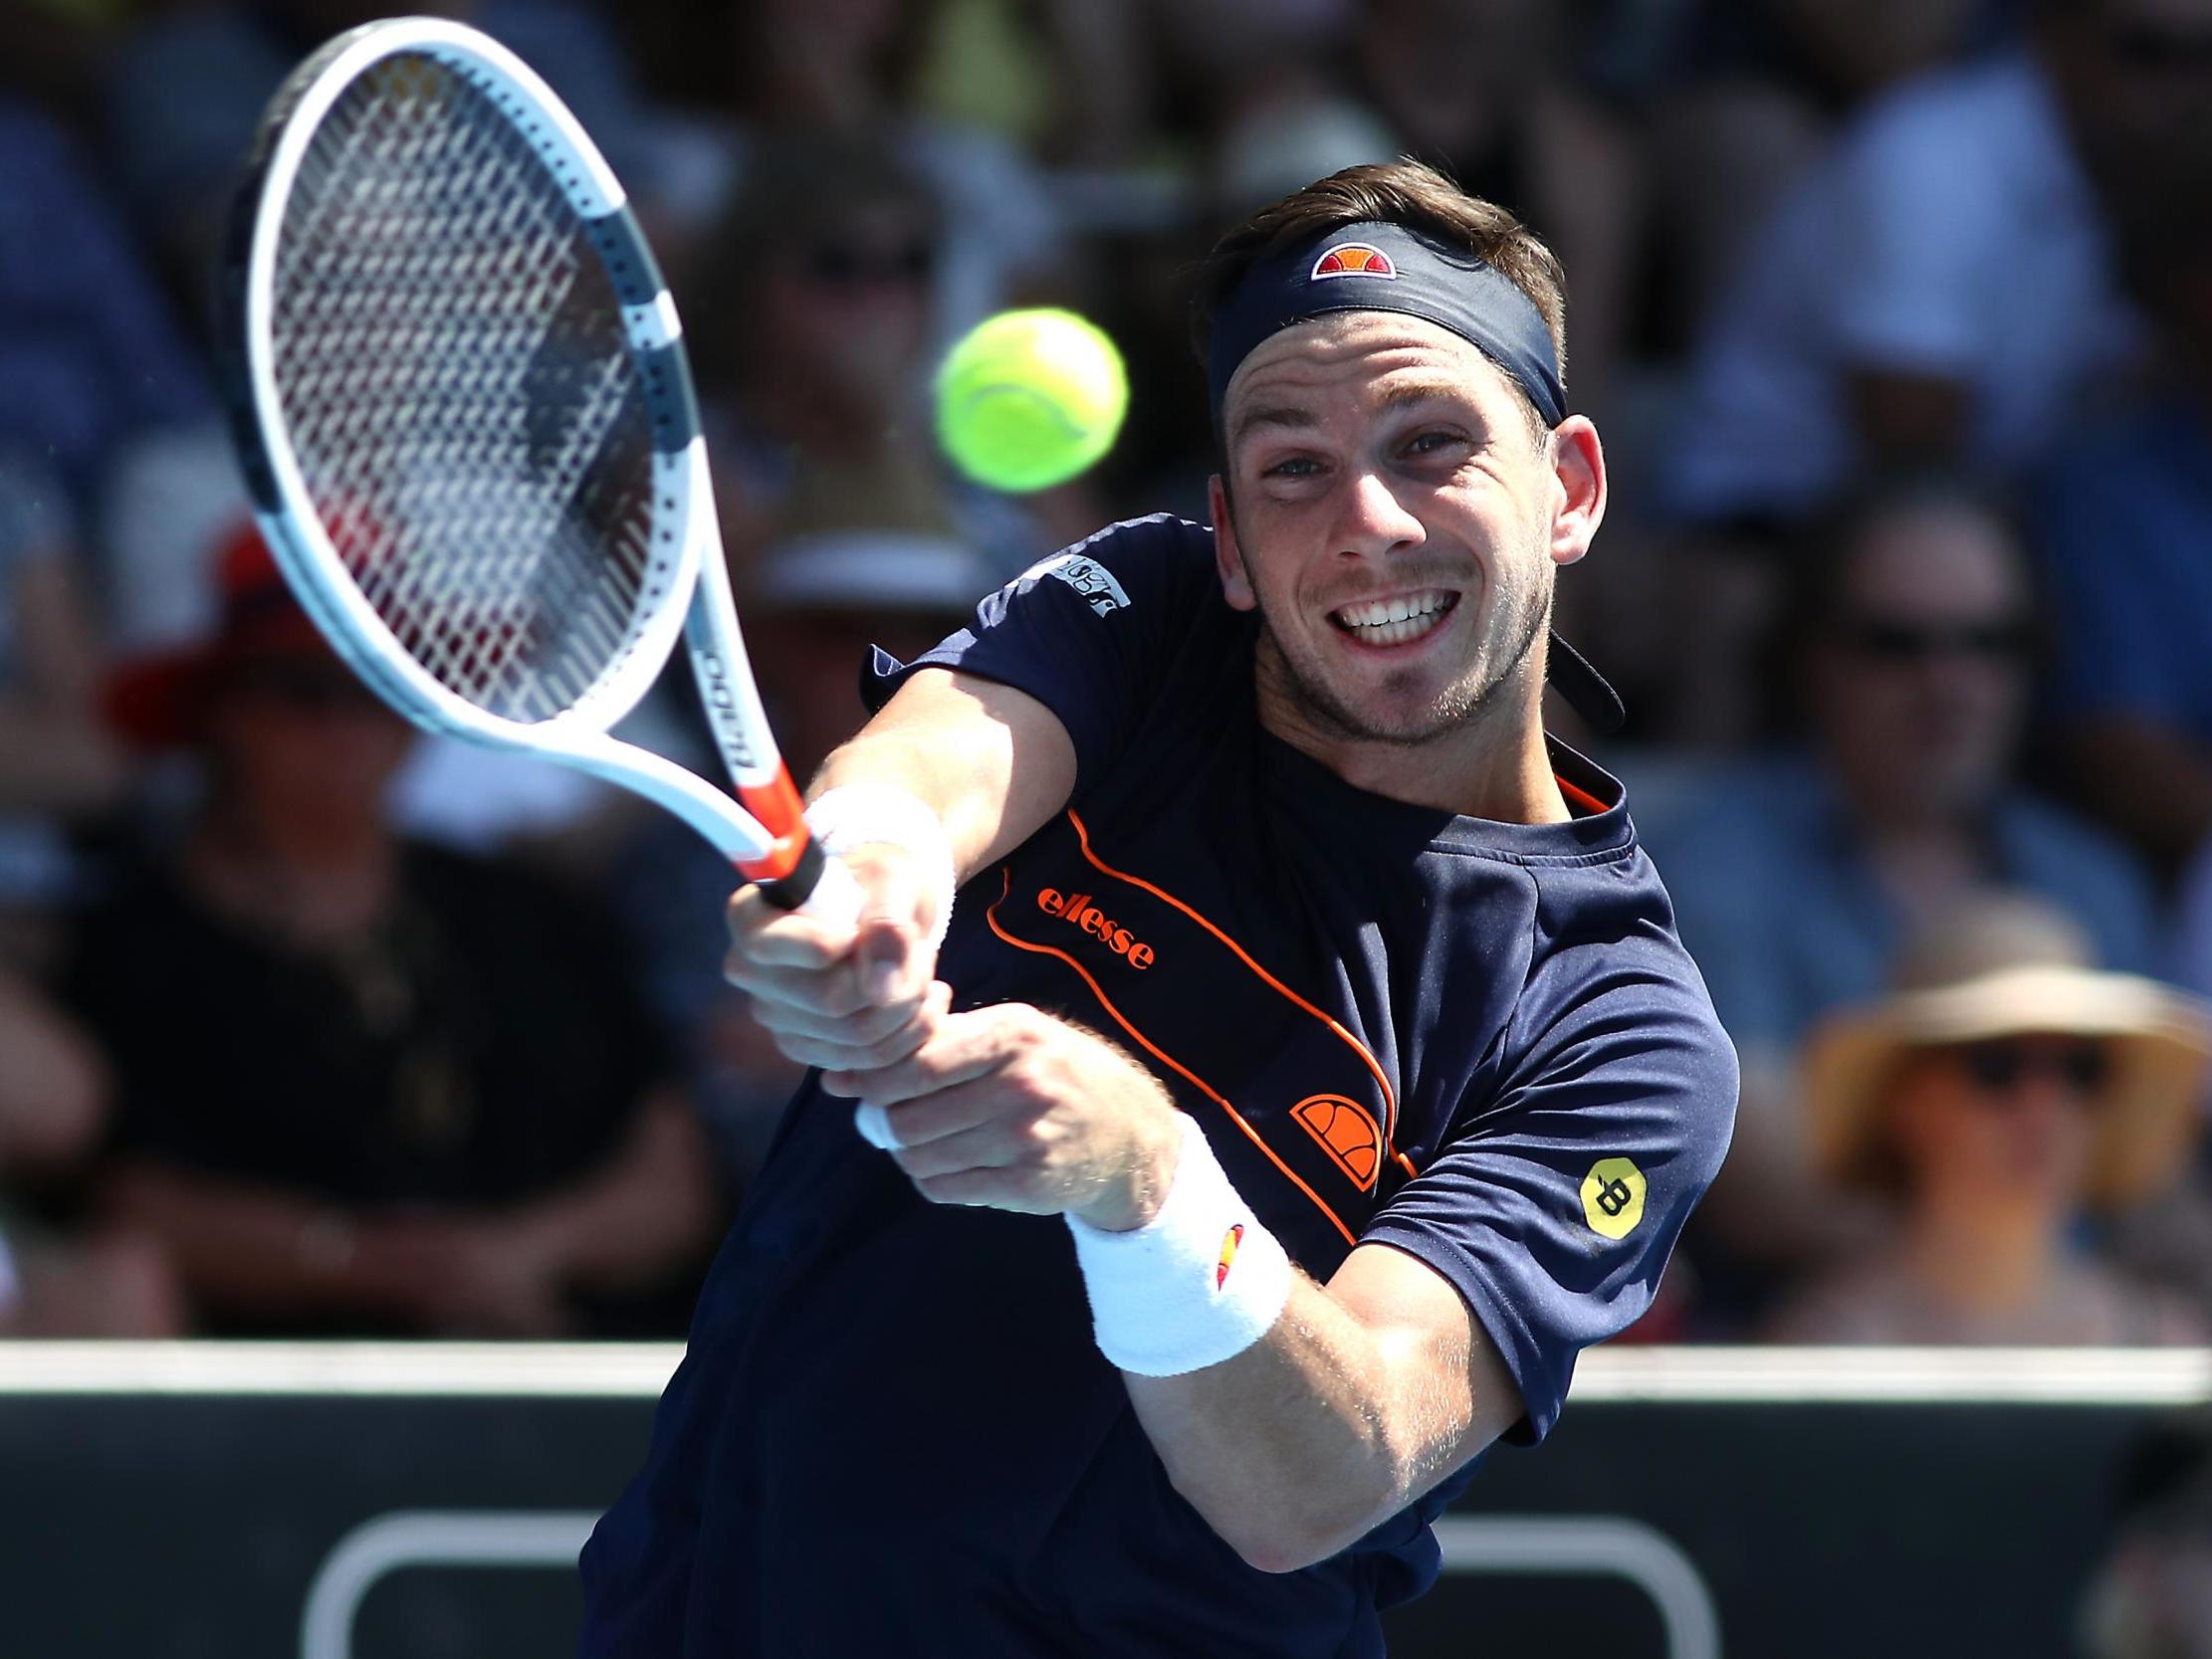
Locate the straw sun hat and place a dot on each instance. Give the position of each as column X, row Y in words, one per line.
column 2012, row 967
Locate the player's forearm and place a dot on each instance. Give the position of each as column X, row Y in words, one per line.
column 993, row 763
column 1299, row 1445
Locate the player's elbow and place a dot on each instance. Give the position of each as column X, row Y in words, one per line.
column 1288, row 1546
column 1267, row 1545
column 1283, row 1536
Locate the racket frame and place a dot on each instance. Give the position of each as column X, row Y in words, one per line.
column 684, row 583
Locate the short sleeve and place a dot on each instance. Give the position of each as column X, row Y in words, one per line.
column 1555, row 1205
column 1091, row 632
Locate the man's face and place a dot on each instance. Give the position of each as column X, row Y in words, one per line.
column 298, row 736
column 845, row 310
column 1392, row 516
column 1919, row 685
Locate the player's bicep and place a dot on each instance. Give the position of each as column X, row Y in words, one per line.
column 1452, row 1388
column 992, row 762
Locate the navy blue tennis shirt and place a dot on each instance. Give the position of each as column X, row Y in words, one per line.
column 1479, row 1043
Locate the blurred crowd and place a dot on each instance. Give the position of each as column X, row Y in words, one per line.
column 1896, row 316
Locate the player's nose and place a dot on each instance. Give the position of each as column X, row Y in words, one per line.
column 1371, row 520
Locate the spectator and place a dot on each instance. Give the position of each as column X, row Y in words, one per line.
column 1754, row 90
column 2002, row 1089
column 764, row 81
column 815, row 347
column 1910, row 640
column 1939, row 289
column 363, row 1083
column 94, row 1281
column 58, row 767
column 2123, row 519
column 827, row 275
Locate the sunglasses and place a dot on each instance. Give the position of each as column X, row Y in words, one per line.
column 850, row 264
column 1894, row 643
column 1998, row 1068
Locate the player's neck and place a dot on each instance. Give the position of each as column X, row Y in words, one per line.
column 1495, row 766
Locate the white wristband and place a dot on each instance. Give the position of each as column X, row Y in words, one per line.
column 1199, row 1282
column 855, row 814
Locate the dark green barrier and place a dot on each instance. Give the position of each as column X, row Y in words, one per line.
column 424, row 1503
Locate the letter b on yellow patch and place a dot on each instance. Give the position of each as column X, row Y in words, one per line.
column 1613, row 1196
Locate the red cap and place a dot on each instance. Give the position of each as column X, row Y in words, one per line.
column 158, row 700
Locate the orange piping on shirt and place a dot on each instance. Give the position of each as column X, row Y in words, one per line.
column 1579, row 796
column 1390, row 1097
column 991, row 916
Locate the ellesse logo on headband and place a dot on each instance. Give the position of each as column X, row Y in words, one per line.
column 1353, row 259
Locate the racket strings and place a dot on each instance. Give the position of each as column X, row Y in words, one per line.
column 463, row 405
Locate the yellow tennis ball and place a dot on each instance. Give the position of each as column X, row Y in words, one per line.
column 1028, row 399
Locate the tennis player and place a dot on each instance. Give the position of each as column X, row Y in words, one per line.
column 1307, row 1070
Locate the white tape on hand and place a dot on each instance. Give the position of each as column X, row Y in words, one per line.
column 860, row 814
column 1197, row 1284
column 874, row 1123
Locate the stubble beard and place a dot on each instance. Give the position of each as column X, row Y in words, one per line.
column 1465, row 702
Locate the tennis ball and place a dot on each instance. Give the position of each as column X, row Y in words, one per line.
column 1028, row 399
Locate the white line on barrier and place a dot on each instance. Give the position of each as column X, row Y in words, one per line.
column 1610, row 1547
column 429, row 1537
column 639, row 1371
column 1597, row 1546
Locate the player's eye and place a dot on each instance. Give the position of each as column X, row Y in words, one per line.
column 1425, row 446
column 1293, row 465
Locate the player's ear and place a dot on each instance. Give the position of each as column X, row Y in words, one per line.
column 1229, row 557
column 1578, row 471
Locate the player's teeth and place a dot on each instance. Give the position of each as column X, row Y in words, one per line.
column 1393, row 621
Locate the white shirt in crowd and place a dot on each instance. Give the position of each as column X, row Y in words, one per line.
column 1951, row 233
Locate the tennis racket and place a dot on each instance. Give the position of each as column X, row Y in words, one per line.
column 461, row 397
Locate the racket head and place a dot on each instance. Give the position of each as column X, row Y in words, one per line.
column 459, row 390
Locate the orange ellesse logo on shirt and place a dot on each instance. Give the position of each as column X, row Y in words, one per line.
column 1348, row 1133
column 1078, row 909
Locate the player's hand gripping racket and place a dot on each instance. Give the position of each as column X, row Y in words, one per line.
column 467, row 420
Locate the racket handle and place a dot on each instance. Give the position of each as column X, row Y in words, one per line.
column 836, row 898
column 818, row 886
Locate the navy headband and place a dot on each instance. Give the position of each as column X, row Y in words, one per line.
column 1376, row 265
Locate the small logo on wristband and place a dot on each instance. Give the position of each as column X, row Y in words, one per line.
column 1230, row 1242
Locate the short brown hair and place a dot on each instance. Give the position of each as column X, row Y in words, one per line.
column 1402, row 192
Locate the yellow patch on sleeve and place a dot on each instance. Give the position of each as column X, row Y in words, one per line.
column 1613, row 1196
